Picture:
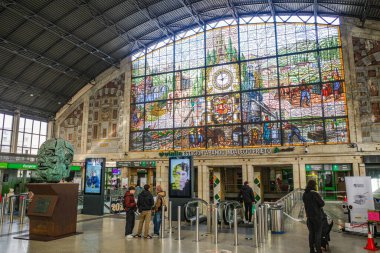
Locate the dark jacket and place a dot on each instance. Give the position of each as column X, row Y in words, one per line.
column 246, row 193
column 313, row 204
column 129, row 201
column 145, row 201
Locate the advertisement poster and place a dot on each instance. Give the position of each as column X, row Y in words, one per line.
column 93, row 183
column 180, row 177
column 359, row 196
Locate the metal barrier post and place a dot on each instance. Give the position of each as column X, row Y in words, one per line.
column 11, row 208
column 3, row 208
column 197, row 225
column 22, row 208
column 163, row 221
column 258, row 224
column 262, row 224
column 216, row 224
column 256, row 228
column 209, row 219
column 266, row 221
column 179, row 223
column 170, row 217
column 235, row 228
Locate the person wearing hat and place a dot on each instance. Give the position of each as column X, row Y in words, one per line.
column 246, row 193
column 160, row 201
column 130, row 207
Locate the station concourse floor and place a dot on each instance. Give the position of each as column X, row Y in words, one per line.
column 106, row 234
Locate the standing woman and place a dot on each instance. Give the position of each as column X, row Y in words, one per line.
column 313, row 208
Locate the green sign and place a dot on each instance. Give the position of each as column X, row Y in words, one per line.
column 22, row 166
column 29, row 166
column 170, row 153
column 75, row 168
column 136, row 164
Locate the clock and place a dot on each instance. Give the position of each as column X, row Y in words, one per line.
column 222, row 79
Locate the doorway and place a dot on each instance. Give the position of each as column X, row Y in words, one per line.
column 225, row 183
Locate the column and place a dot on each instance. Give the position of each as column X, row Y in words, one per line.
column 250, row 173
column 15, row 126
column 362, row 172
column 126, row 67
column 355, row 169
column 50, row 130
column 86, row 105
column 296, row 175
column 244, row 172
column 162, row 176
column 217, row 184
column 302, row 173
column 203, row 183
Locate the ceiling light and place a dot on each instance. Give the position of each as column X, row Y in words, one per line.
column 31, row 94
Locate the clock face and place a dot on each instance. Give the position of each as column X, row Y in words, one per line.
column 222, row 79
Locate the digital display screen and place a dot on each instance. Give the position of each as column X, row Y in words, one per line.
column 180, row 177
column 93, row 182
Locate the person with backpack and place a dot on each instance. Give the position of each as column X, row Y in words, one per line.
column 130, row 207
column 246, row 193
column 145, row 203
column 313, row 208
column 160, row 202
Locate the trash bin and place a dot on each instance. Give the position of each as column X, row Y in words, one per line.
column 277, row 220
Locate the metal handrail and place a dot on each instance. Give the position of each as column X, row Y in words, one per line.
column 236, row 205
column 196, row 203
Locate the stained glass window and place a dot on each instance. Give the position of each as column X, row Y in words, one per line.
column 160, row 60
column 263, row 82
column 138, row 66
column 257, row 41
column 190, row 52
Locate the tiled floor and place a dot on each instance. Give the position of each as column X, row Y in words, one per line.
column 106, row 234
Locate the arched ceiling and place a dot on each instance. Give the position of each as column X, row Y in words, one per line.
column 50, row 49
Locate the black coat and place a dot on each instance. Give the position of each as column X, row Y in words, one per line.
column 246, row 193
column 313, row 204
column 145, row 201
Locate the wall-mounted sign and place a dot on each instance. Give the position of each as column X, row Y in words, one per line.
column 29, row 166
column 25, row 166
column 135, row 164
column 218, row 152
column 111, row 164
column 228, row 152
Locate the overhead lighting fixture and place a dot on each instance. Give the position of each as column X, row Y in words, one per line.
column 31, row 94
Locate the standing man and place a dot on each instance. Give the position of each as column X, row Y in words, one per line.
column 157, row 219
column 313, row 208
column 130, row 207
column 246, row 193
column 145, row 203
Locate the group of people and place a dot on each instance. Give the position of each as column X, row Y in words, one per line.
column 145, row 206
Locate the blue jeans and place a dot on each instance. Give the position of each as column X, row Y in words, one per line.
column 157, row 222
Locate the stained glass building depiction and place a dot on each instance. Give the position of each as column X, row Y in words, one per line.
column 256, row 83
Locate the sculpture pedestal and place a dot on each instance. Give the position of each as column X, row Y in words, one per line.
column 53, row 211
